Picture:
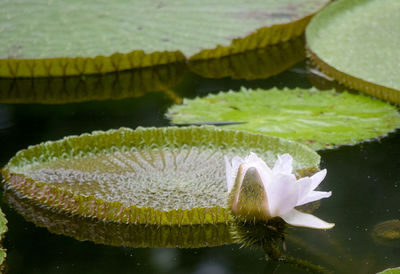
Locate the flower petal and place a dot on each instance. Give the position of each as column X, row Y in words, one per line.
column 298, row 218
column 283, row 164
column 305, row 185
column 317, row 178
column 314, row 196
column 282, row 194
column 236, row 162
column 229, row 174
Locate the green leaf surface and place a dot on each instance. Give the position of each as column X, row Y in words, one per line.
column 320, row 119
column 161, row 176
column 357, row 42
column 117, row 35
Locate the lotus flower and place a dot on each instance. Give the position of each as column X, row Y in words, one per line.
column 258, row 192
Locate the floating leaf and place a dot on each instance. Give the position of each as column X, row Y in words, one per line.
column 116, row 234
column 58, row 90
column 72, row 38
column 162, row 176
column 357, row 43
column 321, row 119
column 255, row 64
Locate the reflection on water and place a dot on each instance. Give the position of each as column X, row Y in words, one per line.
column 115, row 234
column 255, row 64
column 364, row 179
column 58, row 90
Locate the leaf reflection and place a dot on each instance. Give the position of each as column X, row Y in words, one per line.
column 270, row 237
column 115, row 234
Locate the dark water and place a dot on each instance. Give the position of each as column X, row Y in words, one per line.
column 364, row 179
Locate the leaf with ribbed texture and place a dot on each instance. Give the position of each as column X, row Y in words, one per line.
column 357, row 43
column 161, row 176
column 62, row 38
column 321, row 119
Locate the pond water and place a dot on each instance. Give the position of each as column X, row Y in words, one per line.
column 364, row 179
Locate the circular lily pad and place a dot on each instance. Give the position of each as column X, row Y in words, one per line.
column 357, row 43
column 320, row 119
column 163, row 176
column 69, row 38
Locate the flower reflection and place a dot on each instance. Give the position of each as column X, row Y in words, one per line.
column 257, row 192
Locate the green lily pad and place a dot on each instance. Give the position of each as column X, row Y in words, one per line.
column 395, row 270
column 110, row 86
column 320, row 119
column 357, row 43
column 72, row 38
column 117, row 234
column 255, row 64
column 161, row 176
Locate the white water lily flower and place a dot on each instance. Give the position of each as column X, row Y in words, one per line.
column 259, row 192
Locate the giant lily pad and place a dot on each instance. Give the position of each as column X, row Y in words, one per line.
column 69, row 38
column 357, row 43
column 162, row 176
column 319, row 119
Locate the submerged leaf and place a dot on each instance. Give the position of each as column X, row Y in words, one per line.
column 73, row 38
column 163, row 176
column 387, row 233
column 357, row 43
column 320, row 119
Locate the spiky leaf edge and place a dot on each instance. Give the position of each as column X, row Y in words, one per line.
column 90, row 206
